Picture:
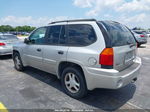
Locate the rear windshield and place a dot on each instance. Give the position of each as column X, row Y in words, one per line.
column 139, row 32
column 7, row 37
column 117, row 34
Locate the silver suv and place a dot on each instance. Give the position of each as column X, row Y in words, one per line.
column 83, row 54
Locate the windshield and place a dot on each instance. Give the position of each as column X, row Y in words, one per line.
column 8, row 37
column 118, row 34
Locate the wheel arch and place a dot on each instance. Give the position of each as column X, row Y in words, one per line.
column 64, row 64
column 17, row 51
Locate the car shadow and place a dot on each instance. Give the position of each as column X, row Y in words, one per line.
column 110, row 100
column 6, row 57
column 105, row 99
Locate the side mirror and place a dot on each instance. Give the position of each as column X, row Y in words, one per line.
column 26, row 41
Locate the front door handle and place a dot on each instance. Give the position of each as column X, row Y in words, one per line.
column 61, row 52
column 39, row 50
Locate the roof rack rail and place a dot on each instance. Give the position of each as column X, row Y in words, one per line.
column 75, row 20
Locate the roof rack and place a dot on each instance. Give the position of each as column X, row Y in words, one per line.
column 75, row 20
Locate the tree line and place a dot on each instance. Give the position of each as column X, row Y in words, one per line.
column 8, row 28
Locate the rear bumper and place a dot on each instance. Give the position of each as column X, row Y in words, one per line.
column 111, row 79
column 5, row 51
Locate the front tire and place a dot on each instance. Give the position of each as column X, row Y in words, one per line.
column 73, row 82
column 18, row 62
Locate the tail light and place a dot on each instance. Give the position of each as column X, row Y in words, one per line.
column 2, row 44
column 142, row 35
column 107, row 58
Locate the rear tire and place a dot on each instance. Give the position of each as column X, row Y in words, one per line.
column 18, row 62
column 73, row 82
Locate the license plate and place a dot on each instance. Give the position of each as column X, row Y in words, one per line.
column 129, row 56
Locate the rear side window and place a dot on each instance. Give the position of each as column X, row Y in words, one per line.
column 118, row 34
column 81, row 35
column 53, row 35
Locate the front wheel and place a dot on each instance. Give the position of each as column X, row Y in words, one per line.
column 73, row 82
column 17, row 62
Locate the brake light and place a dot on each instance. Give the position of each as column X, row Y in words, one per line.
column 142, row 35
column 107, row 57
column 2, row 44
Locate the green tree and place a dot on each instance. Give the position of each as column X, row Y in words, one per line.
column 28, row 28
column 6, row 28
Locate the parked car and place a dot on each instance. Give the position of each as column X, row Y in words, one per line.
column 83, row 54
column 6, row 43
column 148, row 34
column 140, row 37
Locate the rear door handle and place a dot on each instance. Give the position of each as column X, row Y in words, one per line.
column 39, row 50
column 61, row 52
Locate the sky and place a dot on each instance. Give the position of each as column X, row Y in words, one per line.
column 133, row 13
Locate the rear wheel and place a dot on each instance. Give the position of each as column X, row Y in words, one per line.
column 17, row 62
column 73, row 82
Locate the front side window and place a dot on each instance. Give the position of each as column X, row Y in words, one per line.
column 81, row 35
column 38, row 36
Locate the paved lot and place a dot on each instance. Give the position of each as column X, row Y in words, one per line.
column 34, row 89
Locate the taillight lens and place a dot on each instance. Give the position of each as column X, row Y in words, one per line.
column 107, row 57
column 2, row 44
column 142, row 35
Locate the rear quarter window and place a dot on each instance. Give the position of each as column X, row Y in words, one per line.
column 81, row 35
